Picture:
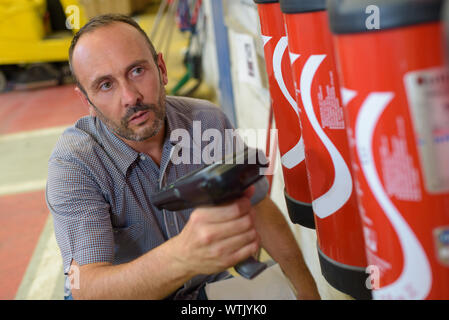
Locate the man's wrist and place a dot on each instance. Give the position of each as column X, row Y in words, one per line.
column 174, row 250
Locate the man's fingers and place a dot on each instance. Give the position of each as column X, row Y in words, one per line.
column 245, row 251
column 226, row 212
column 229, row 246
column 232, row 228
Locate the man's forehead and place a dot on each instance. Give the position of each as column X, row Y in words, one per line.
column 112, row 46
column 117, row 29
column 115, row 36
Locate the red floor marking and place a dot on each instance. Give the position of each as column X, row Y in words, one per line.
column 22, row 218
column 38, row 109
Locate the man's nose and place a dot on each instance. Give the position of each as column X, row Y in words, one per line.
column 130, row 95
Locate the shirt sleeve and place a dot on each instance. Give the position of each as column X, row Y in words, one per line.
column 81, row 215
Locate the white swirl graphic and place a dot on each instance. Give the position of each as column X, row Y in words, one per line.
column 291, row 157
column 265, row 39
column 341, row 188
column 277, row 68
column 416, row 277
column 293, row 57
column 295, row 155
column 347, row 95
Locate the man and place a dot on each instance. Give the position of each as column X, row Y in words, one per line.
column 103, row 170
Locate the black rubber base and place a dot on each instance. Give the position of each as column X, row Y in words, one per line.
column 299, row 212
column 347, row 279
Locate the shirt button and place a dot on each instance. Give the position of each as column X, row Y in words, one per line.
column 143, row 158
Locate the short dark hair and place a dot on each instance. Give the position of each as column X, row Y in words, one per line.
column 102, row 21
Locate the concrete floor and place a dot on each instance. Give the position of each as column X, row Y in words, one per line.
column 30, row 124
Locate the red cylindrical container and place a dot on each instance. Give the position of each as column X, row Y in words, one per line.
column 445, row 17
column 390, row 57
column 291, row 145
column 341, row 244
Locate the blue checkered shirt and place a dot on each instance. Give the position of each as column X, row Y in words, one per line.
column 99, row 189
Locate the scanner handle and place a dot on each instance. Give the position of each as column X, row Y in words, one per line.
column 250, row 268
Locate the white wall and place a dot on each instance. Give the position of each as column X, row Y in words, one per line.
column 210, row 66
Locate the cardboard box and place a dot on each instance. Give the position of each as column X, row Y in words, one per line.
column 90, row 8
column 97, row 7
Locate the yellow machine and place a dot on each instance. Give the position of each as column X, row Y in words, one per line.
column 31, row 53
column 27, row 46
column 22, row 32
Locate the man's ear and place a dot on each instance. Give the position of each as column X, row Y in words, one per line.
column 163, row 69
column 85, row 101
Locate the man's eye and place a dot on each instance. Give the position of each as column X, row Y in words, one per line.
column 106, row 86
column 137, row 71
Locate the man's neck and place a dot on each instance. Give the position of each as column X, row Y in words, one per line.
column 152, row 146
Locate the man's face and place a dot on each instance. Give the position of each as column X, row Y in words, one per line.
column 124, row 84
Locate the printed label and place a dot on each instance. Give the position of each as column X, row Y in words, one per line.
column 331, row 111
column 428, row 98
column 248, row 69
column 370, row 238
column 400, row 176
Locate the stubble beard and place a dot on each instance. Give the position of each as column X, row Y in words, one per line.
column 124, row 131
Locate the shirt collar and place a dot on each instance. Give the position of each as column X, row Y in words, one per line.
column 122, row 154
column 176, row 118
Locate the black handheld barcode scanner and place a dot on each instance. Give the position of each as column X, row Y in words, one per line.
column 215, row 184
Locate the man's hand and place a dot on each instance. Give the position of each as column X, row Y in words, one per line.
column 216, row 238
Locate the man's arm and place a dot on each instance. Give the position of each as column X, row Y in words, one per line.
column 278, row 240
column 155, row 275
column 214, row 239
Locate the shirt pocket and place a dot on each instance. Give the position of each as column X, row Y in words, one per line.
column 128, row 243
